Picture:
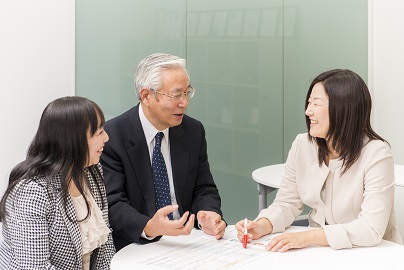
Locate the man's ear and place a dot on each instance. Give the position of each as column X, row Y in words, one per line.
column 145, row 95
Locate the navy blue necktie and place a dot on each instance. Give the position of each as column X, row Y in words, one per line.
column 160, row 176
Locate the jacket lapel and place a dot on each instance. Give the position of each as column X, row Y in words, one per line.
column 179, row 150
column 140, row 159
column 321, row 179
column 318, row 186
column 69, row 218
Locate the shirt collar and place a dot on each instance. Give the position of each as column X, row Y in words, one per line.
column 149, row 130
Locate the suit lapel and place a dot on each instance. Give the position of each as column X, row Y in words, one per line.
column 69, row 218
column 179, row 150
column 140, row 159
column 321, row 180
column 318, row 186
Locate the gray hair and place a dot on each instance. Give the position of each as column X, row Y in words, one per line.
column 148, row 72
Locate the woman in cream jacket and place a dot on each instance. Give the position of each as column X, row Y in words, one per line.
column 341, row 168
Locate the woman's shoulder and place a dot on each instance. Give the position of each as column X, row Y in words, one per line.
column 28, row 194
column 31, row 185
column 375, row 149
column 303, row 148
column 375, row 145
column 302, row 136
column 302, row 140
column 35, row 188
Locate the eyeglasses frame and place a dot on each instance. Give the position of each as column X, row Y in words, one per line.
column 180, row 96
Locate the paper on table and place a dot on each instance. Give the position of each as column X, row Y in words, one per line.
column 206, row 253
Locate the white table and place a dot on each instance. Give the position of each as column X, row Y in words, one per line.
column 387, row 255
column 268, row 179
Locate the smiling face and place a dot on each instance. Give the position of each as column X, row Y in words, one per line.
column 317, row 111
column 162, row 111
column 96, row 145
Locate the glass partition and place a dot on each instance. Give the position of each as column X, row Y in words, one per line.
column 318, row 36
column 250, row 61
column 113, row 36
column 235, row 56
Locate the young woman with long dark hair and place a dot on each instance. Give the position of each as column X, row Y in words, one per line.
column 54, row 211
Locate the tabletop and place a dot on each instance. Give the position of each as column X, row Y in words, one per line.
column 269, row 175
column 191, row 252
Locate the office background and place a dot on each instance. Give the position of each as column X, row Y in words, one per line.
column 251, row 64
column 250, row 61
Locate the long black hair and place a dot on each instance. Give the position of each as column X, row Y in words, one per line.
column 60, row 147
column 350, row 106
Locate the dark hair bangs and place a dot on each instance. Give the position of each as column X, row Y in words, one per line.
column 95, row 117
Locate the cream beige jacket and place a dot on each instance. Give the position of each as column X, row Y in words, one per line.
column 358, row 208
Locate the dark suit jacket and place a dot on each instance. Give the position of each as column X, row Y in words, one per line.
column 128, row 174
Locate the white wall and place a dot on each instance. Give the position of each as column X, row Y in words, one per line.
column 386, row 71
column 36, row 66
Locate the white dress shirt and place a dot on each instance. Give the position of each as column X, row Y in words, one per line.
column 150, row 132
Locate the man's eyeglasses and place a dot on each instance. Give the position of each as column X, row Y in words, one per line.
column 188, row 94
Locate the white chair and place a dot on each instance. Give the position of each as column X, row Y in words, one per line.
column 269, row 179
column 399, row 197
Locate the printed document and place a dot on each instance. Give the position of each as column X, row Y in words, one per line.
column 205, row 252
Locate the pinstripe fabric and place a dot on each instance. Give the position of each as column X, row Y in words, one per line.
column 38, row 233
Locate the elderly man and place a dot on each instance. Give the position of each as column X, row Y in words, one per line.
column 155, row 164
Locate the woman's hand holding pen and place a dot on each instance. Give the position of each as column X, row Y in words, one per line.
column 256, row 229
column 282, row 242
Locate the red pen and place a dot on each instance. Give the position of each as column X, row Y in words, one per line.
column 245, row 237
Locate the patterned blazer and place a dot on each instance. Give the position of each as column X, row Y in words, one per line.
column 40, row 234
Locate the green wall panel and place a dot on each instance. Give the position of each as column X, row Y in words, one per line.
column 113, row 36
column 250, row 61
column 321, row 35
column 236, row 53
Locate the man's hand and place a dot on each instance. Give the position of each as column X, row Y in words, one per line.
column 159, row 224
column 211, row 223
